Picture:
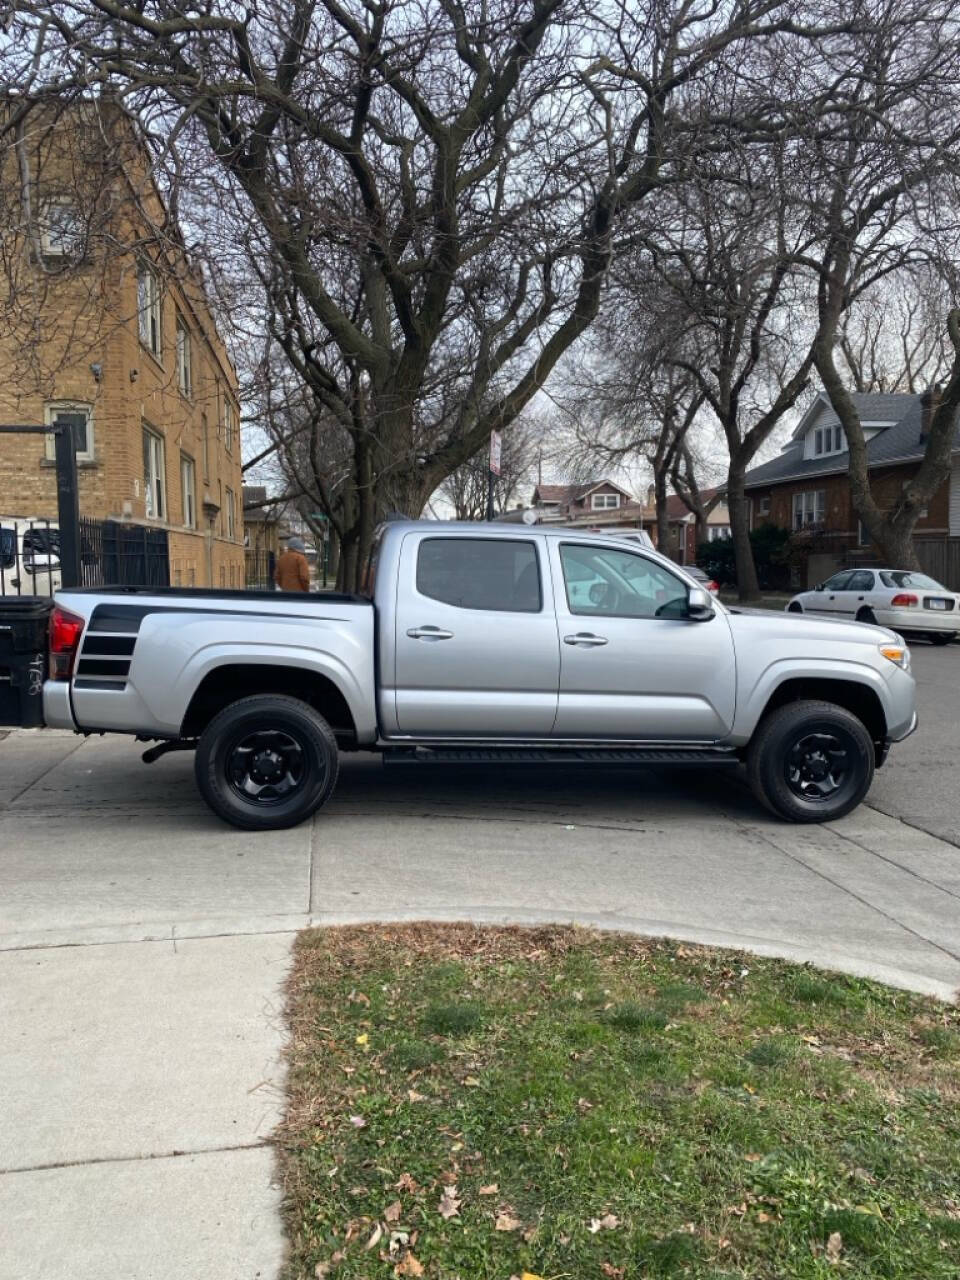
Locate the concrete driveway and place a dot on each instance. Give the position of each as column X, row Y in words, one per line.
column 143, row 946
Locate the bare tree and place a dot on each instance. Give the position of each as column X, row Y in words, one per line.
column 429, row 195
column 894, row 339
column 466, row 489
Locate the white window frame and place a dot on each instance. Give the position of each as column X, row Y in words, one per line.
column 52, row 410
column 184, row 357
column 828, row 440
column 604, row 501
column 717, row 532
column 810, row 506
column 149, row 311
column 154, row 471
column 188, row 490
column 53, row 242
column 763, row 505
column 229, row 502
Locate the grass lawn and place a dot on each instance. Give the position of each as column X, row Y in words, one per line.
column 497, row 1103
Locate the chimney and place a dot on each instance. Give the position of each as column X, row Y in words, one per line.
column 928, row 407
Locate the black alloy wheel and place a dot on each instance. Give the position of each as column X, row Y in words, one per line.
column 818, row 765
column 810, row 761
column 794, row 608
column 266, row 762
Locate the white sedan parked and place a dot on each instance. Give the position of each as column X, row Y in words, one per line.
column 897, row 598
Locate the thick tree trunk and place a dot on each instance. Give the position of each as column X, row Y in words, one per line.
column 748, row 587
column 660, row 498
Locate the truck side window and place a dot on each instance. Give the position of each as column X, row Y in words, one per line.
column 500, row 574
column 601, row 582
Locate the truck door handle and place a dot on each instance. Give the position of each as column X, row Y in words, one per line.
column 585, row 638
column 429, row 633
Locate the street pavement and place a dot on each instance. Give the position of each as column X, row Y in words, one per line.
column 144, row 945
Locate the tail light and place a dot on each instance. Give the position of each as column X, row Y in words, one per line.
column 65, row 632
column 712, row 586
column 903, row 600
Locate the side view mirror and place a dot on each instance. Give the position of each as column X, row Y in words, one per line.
column 699, row 605
column 819, row 586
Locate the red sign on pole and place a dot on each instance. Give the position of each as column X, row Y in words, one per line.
column 495, row 443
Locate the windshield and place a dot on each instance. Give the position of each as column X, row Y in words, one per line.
column 905, row 578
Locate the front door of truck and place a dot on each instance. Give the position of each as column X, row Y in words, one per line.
column 477, row 654
column 631, row 665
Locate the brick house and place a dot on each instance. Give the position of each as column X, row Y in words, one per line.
column 597, row 504
column 105, row 319
column 806, row 489
column 683, row 526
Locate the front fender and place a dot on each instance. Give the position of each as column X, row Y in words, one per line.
column 754, row 699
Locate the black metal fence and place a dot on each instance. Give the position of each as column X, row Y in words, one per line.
column 111, row 554
column 259, row 567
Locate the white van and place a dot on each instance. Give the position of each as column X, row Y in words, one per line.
column 29, row 557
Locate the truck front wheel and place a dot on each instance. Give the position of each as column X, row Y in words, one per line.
column 810, row 761
column 266, row 762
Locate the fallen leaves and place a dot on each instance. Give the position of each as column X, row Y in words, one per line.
column 408, row 1266
column 392, row 1212
column 608, row 1222
column 507, row 1221
column 834, row 1248
column 407, row 1182
column 615, row 1273
column 491, row 1189
column 449, row 1206
column 375, row 1237
column 358, row 1122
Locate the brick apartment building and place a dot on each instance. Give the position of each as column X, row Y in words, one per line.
column 103, row 318
column 807, row 490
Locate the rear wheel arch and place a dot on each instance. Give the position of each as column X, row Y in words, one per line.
column 230, row 682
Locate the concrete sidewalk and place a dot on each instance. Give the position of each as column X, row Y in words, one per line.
column 143, row 948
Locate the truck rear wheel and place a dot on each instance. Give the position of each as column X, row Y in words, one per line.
column 266, row 762
column 810, row 761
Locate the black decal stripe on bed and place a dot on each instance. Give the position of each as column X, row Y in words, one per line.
column 103, row 667
column 126, row 618
column 108, row 646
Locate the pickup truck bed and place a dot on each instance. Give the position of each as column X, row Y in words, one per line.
column 482, row 642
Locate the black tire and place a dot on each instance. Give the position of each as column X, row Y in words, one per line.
column 943, row 637
column 794, row 608
column 266, row 762
column 867, row 615
column 799, row 741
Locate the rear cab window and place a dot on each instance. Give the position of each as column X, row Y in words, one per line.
column 495, row 574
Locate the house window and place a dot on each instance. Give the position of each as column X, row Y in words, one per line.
column 717, row 532
column 229, row 424
column 763, row 506
column 188, row 490
column 605, row 501
column 154, row 476
column 827, row 440
column 184, row 373
column 61, row 229
column 148, row 303
column 231, row 516
column 809, row 509
column 81, row 416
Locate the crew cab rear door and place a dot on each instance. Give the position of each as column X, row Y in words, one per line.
column 628, row 669
column 477, row 654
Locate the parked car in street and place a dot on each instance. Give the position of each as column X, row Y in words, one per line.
column 29, row 557
column 481, row 644
column 909, row 601
column 701, row 576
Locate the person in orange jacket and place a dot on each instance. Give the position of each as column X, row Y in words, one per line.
column 292, row 572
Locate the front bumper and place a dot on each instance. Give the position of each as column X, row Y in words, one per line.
column 888, row 741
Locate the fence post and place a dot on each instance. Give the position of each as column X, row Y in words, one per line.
column 68, row 506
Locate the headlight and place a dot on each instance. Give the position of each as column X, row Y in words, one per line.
column 898, row 653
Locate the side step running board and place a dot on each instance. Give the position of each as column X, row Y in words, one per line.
column 611, row 757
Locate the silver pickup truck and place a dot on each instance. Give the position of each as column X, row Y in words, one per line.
column 482, row 644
